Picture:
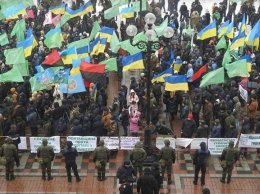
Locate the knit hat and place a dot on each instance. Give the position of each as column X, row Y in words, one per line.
column 127, row 162
column 190, row 116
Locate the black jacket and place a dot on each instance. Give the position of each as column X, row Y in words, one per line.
column 76, row 129
column 129, row 172
column 70, row 154
column 188, row 128
column 147, row 184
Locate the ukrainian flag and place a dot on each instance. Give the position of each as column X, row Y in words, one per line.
column 208, row 32
column 15, row 10
column 82, row 52
column 159, row 77
column 106, row 32
column 127, row 12
column 82, row 10
column 176, row 82
column 133, row 62
column 177, row 65
column 223, row 28
column 230, row 31
column 93, row 47
column 243, row 24
column 68, row 55
column 252, row 38
column 59, row 9
column 28, row 44
column 248, row 62
column 238, row 41
column 53, row 31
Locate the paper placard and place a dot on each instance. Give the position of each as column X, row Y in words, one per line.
column 216, row 145
column 183, row 142
column 23, row 144
column 54, row 142
column 128, row 143
column 249, row 140
column 83, row 143
column 195, row 143
column 111, row 143
column 160, row 142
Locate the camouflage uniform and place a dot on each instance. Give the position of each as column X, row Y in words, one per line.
column 9, row 151
column 229, row 157
column 46, row 153
column 101, row 157
column 137, row 156
column 167, row 153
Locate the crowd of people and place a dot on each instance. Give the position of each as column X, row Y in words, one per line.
column 214, row 111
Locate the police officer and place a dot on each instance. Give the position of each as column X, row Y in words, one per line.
column 137, row 157
column 45, row 154
column 101, row 157
column 9, row 151
column 200, row 162
column 228, row 158
column 70, row 154
column 166, row 159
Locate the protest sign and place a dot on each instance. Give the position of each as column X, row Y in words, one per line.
column 243, row 93
column 23, row 144
column 216, row 145
column 249, row 140
column 83, row 143
column 160, row 142
column 183, row 142
column 128, row 143
column 111, row 143
column 195, row 143
column 54, row 142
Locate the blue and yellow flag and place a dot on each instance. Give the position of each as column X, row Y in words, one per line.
column 176, row 82
column 127, row 12
column 74, row 85
column 177, row 65
column 223, row 28
column 106, row 32
column 230, row 30
column 159, row 77
column 243, row 24
column 133, row 62
column 93, row 47
column 248, row 61
column 28, row 44
column 53, row 31
column 208, row 32
column 68, row 55
column 238, row 41
column 252, row 38
column 59, row 9
column 82, row 10
column 171, row 58
column 82, row 52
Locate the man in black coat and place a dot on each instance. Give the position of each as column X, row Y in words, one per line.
column 188, row 127
column 147, row 183
column 128, row 170
column 70, row 154
column 126, row 187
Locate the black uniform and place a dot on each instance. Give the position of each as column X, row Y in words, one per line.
column 147, row 183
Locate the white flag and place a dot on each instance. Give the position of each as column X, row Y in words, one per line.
column 48, row 18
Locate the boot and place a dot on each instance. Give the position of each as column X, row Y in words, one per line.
column 229, row 179
column 43, row 176
column 195, row 182
column 169, row 180
column 7, row 177
column 49, row 177
column 222, row 180
column 12, row 177
column 99, row 176
column 103, row 176
column 69, row 180
column 78, row 179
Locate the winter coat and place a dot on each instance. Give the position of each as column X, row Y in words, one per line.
column 202, row 132
column 106, row 119
column 97, row 127
column 76, row 130
column 231, row 132
column 252, row 109
column 32, row 118
column 188, row 128
column 124, row 118
column 237, row 108
column 216, row 131
column 129, row 172
column 134, row 117
column 229, row 119
column 245, row 126
column 133, row 100
column 208, row 111
column 147, row 184
column 86, row 127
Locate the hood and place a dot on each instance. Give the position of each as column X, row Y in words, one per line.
column 132, row 91
column 97, row 118
column 76, row 122
column 236, row 99
column 246, row 120
column 137, row 114
column 86, row 119
column 138, row 144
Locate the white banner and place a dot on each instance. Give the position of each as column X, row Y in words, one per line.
column 160, row 142
column 54, row 142
column 243, row 93
column 195, row 144
column 249, row 140
column 216, row 145
column 128, row 143
column 83, row 143
column 183, row 142
column 23, row 144
column 111, row 143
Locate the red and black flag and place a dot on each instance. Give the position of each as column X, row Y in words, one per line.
column 92, row 72
column 198, row 74
column 53, row 59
